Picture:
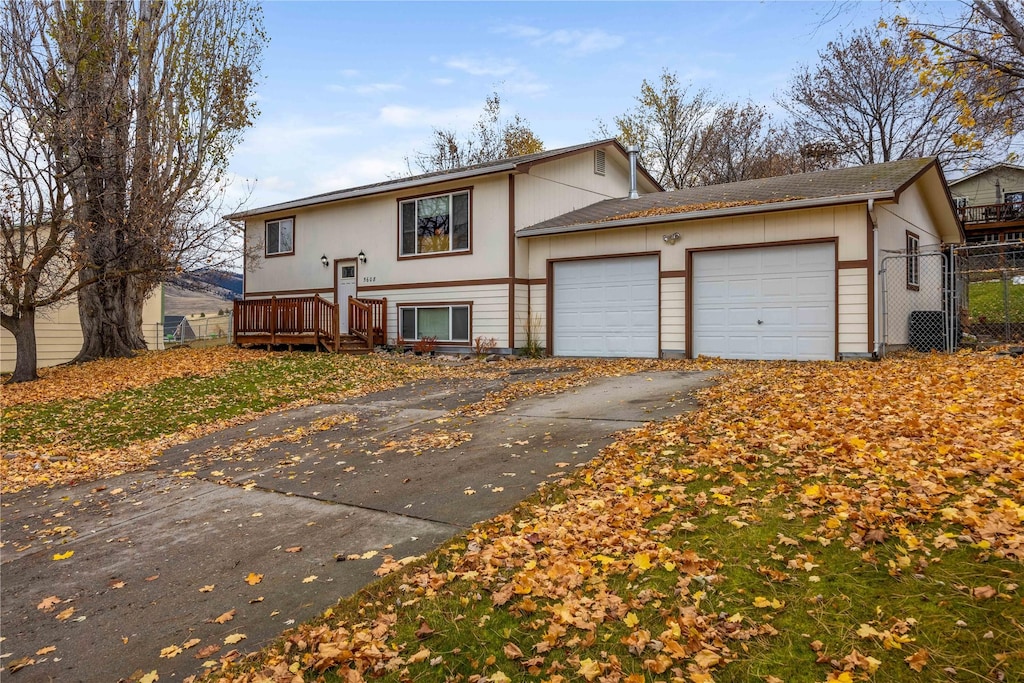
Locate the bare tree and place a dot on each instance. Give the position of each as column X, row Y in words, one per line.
column 979, row 57
column 38, row 266
column 864, row 100
column 669, row 126
column 155, row 96
column 743, row 142
column 492, row 137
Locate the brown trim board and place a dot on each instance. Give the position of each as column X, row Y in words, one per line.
column 290, row 292
column 850, row 265
column 443, row 283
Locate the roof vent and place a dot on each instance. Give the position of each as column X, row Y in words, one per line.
column 599, row 162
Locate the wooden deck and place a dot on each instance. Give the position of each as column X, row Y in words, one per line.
column 311, row 321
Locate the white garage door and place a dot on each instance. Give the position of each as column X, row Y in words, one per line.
column 765, row 303
column 606, row 307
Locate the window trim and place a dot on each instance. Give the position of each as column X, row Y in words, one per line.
column 468, row 305
column 266, row 239
column 430, row 195
column 913, row 261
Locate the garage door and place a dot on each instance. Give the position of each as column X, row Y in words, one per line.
column 606, row 307
column 765, row 303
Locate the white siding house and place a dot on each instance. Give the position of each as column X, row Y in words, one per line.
column 551, row 244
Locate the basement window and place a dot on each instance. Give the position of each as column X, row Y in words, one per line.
column 444, row 323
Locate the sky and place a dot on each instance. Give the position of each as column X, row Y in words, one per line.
column 350, row 90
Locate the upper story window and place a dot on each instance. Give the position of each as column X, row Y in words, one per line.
column 434, row 225
column 280, row 238
column 913, row 261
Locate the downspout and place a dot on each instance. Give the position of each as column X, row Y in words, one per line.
column 876, row 256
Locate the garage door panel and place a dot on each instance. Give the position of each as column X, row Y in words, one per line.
column 790, row 289
column 606, row 307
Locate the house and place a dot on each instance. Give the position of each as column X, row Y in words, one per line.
column 59, row 332
column 579, row 250
column 991, row 204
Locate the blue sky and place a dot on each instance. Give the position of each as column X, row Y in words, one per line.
column 350, row 89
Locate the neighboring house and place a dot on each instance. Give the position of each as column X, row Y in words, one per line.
column 59, row 332
column 991, row 204
column 552, row 247
column 177, row 329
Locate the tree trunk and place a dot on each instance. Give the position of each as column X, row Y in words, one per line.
column 111, row 317
column 23, row 327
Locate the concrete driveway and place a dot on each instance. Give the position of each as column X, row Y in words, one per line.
column 256, row 528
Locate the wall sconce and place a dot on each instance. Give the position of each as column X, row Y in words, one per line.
column 361, row 256
column 324, row 261
column 671, row 239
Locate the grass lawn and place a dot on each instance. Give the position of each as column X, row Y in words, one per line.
column 987, row 302
column 814, row 522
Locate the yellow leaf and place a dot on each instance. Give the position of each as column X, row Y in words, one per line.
column 207, row 588
column 642, row 561
column 225, row 618
column 420, row 656
column 66, row 614
column 631, row 620
column 253, row 578
column 63, row 556
column 917, row 661
column 589, row 669
column 192, row 642
column 45, row 650
column 309, row 579
column 170, row 652
column 234, row 638
column 151, row 677
column 49, row 603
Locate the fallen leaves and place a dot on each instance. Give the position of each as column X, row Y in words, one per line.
column 63, row 556
column 253, row 578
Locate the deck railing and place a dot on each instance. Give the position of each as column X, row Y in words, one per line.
column 992, row 213
column 288, row 320
column 368, row 320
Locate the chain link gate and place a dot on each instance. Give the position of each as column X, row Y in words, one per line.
column 990, row 283
column 920, row 302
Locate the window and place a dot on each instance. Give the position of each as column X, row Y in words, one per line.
column 1014, row 236
column 280, row 237
column 348, row 271
column 913, row 261
column 960, row 202
column 445, row 323
column 435, row 225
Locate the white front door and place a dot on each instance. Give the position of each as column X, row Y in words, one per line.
column 765, row 303
column 346, row 287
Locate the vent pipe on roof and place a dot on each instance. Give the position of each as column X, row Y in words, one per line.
column 633, row 151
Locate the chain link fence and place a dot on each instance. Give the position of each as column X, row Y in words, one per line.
column 208, row 330
column 990, row 286
column 970, row 295
column 919, row 302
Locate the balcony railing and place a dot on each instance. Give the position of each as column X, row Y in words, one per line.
column 294, row 320
column 1006, row 212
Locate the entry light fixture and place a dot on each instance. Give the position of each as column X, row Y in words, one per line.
column 324, row 261
column 671, row 239
column 361, row 256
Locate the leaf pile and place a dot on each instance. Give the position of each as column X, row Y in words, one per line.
column 832, row 522
column 701, row 206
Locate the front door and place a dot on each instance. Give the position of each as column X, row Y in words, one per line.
column 346, row 287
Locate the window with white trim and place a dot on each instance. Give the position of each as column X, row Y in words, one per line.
column 444, row 323
column 913, row 261
column 434, row 225
column 280, row 238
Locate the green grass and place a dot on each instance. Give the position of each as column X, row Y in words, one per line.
column 964, row 637
column 987, row 302
column 169, row 406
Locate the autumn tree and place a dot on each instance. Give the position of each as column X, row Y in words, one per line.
column 491, row 137
column 668, row 125
column 863, row 99
column 742, row 142
column 979, row 58
column 155, row 96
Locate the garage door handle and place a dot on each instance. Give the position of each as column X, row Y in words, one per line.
column 760, row 322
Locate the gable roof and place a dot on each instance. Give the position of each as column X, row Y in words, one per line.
column 988, row 169
column 800, row 190
column 513, row 164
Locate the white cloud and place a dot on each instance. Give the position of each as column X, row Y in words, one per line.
column 400, row 116
column 575, row 42
column 483, row 67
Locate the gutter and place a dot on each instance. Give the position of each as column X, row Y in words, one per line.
column 881, row 195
